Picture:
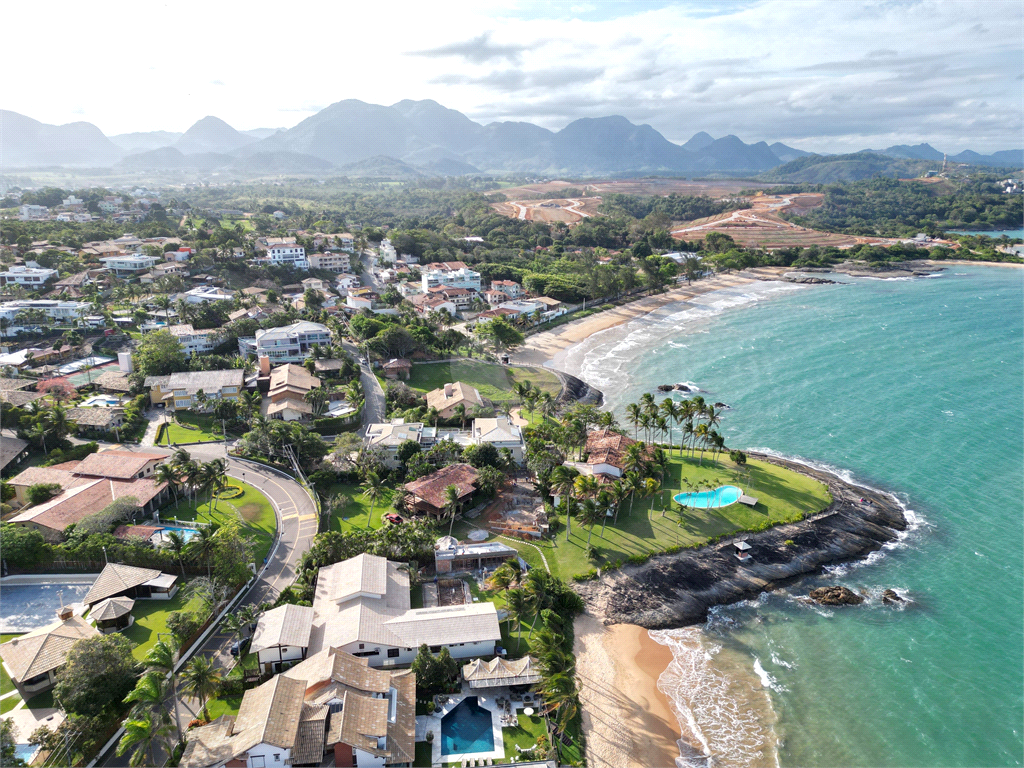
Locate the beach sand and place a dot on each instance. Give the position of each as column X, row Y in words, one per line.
column 627, row 721
column 543, row 347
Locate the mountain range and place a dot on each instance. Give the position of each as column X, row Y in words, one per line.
column 424, row 138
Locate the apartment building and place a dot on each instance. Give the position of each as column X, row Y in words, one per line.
column 333, row 261
column 287, row 255
column 288, row 344
column 193, row 341
column 463, row 277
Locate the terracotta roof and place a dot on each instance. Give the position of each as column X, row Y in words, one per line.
column 84, row 497
column 431, row 488
column 141, row 531
column 43, row 649
column 117, row 578
column 7, row 384
column 111, row 608
column 607, row 447
column 291, row 375
column 309, row 740
column 35, row 475
column 448, row 396
column 19, row 397
column 116, row 464
column 272, row 711
column 285, row 625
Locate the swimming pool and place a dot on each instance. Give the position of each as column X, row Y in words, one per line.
column 722, row 496
column 101, row 401
column 28, row 605
column 186, row 533
column 467, row 729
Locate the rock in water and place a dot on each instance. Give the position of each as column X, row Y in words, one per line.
column 664, row 387
column 889, row 597
column 835, row 596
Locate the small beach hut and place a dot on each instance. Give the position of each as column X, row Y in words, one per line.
column 742, row 548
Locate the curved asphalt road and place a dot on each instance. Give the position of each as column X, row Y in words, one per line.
column 296, row 526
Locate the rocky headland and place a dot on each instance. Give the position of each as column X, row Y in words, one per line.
column 677, row 590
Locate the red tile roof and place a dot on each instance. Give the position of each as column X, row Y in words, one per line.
column 607, row 447
column 430, row 489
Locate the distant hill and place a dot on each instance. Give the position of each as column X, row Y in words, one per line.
column 211, row 134
column 172, row 159
column 412, row 138
column 380, row 167
column 25, row 143
column 143, row 142
column 825, row 169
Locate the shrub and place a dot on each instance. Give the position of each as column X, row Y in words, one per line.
column 230, row 492
column 790, row 543
column 22, row 547
column 40, row 493
column 586, row 575
column 738, row 456
column 639, row 559
column 7, row 492
column 334, row 425
column 230, row 686
column 183, row 624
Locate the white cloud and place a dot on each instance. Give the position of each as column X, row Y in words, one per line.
column 818, row 74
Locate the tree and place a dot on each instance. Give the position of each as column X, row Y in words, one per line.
column 451, row 504
column 563, row 479
column 159, row 354
column 518, row 606
column 61, row 390
column 200, row 679
column 483, row 455
column 434, row 674
column 142, row 734
column 500, row 334
column 23, row 547
column 373, row 489
column 97, row 675
column 40, row 493
column 407, row 450
column 232, row 554
column 201, row 547
column 590, row 514
column 7, row 748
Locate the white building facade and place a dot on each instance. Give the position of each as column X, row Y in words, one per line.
column 288, row 255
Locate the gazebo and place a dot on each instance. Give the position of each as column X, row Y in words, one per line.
column 498, row 672
column 112, row 614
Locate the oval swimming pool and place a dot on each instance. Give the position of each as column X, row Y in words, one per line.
column 722, row 496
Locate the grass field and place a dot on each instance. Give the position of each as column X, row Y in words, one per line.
column 783, row 496
column 6, row 686
column 357, row 513
column 151, row 620
column 524, row 735
column 194, row 428
column 493, row 381
column 252, row 508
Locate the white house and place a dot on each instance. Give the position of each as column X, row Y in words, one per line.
column 282, row 636
column 510, row 288
column 288, row 255
column 193, row 341
column 206, row 293
column 33, row 212
column 362, row 606
column 346, row 242
column 388, row 254
column 58, row 311
column 347, row 282
column 332, row 260
column 453, row 278
column 29, row 277
column 288, row 344
column 129, row 264
column 501, row 433
column 389, row 436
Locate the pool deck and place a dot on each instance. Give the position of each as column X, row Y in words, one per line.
column 487, row 699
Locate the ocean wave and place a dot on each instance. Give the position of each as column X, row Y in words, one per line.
column 727, row 716
column 767, row 681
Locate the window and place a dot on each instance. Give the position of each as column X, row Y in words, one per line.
column 277, row 758
column 393, row 653
column 435, row 649
column 361, row 646
column 257, row 761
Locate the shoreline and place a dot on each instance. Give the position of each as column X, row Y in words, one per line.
column 627, row 720
column 547, row 347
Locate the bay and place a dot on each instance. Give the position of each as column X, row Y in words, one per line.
column 913, row 386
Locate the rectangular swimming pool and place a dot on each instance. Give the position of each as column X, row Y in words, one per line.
column 26, row 606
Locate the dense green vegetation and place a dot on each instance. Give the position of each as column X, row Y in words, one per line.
column 889, row 207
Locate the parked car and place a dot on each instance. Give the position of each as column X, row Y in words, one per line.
column 239, row 646
column 394, row 519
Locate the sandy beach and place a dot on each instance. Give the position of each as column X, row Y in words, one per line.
column 542, row 347
column 627, row 721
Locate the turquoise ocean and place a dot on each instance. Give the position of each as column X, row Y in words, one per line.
column 913, row 386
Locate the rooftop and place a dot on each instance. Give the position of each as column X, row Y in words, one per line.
column 431, row 488
column 43, row 649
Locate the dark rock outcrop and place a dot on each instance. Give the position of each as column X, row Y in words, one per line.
column 835, row 596
column 677, row 590
column 577, row 390
column 889, row 597
column 665, row 387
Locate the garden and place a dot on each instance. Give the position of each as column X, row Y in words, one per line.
column 235, row 501
column 492, row 381
column 189, row 427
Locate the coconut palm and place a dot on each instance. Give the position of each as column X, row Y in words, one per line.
column 148, row 696
column 176, row 543
column 518, row 606
column 563, row 479
column 143, row 734
column 590, row 514
column 202, row 546
column 504, row 579
column 702, row 433
column 451, row 505
column 200, row 679
column 168, row 473
column 373, row 489
column 161, row 659
column 560, row 695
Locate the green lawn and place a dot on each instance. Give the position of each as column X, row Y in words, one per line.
column 493, row 381
column 252, row 508
column 228, row 706
column 194, row 428
column 424, row 754
column 357, row 513
column 524, row 735
column 6, row 686
column 783, row 496
column 151, row 620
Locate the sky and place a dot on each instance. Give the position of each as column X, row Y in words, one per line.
column 820, row 75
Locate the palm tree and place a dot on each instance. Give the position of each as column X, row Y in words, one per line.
column 618, row 491
column 150, row 692
column 168, row 473
column 200, row 679
column 518, row 606
column 459, row 412
column 646, row 421
column 202, row 546
column 563, row 479
column 560, row 695
column 702, row 432
column 590, row 514
column 503, row 578
column 176, row 543
column 161, row 659
column 451, row 504
column 142, row 733
column 373, row 489
column 39, row 431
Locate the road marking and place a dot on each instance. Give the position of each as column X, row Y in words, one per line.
column 289, row 517
column 307, row 517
